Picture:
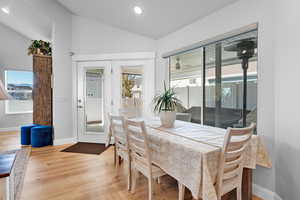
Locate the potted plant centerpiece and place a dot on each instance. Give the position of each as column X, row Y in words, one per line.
column 166, row 104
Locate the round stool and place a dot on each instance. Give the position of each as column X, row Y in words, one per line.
column 26, row 134
column 41, row 136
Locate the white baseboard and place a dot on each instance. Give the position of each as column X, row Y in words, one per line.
column 9, row 129
column 64, row 141
column 264, row 193
column 277, row 197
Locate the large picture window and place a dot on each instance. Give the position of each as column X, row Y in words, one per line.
column 19, row 86
column 217, row 83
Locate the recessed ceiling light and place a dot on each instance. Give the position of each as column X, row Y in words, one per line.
column 138, row 10
column 5, row 10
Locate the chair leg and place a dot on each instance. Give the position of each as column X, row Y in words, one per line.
column 134, row 179
column 129, row 176
column 181, row 191
column 150, row 188
column 239, row 193
column 117, row 162
column 115, row 155
column 158, row 180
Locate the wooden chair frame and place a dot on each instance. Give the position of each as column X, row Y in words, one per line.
column 121, row 145
column 232, row 158
column 140, row 155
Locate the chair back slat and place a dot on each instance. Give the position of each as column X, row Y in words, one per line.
column 232, row 157
column 138, row 144
column 233, row 173
column 117, row 126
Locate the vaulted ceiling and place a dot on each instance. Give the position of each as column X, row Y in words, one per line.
column 159, row 17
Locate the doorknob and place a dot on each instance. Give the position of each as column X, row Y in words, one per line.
column 79, row 106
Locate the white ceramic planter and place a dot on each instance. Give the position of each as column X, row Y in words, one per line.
column 167, row 118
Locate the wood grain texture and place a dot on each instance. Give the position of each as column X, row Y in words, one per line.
column 42, row 90
column 55, row 175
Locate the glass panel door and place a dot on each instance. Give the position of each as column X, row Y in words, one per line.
column 224, row 84
column 186, row 79
column 94, row 100
column 132, row 90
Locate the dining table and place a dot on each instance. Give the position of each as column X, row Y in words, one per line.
column 190, row 153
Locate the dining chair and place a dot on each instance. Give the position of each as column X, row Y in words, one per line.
column 231, row 165
column 128, row 112
column 140, row 155
column 117, row 126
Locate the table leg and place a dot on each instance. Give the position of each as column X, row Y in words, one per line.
column 247, row 184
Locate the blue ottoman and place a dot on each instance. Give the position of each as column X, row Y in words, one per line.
column 41, row 136
column 26, row 134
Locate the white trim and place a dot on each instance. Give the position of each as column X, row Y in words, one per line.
column 220, row 37
column 114, row 56
column 64, row 141
column 277, row 197
column 18, row 113
column 265, row 193
column 101, row 57
column 74, row 102
column 9, row 129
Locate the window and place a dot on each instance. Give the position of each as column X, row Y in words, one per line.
column 210, row 82
column 19, row 86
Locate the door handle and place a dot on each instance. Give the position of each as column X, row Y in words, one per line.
column 79, row 106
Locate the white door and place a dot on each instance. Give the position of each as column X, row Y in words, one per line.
column 142, row 72
column 94, row 100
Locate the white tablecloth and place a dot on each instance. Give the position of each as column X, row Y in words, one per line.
column 190, row 153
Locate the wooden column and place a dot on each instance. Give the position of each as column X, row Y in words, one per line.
column 42, row 90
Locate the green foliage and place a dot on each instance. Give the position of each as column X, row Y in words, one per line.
column 166, row 101
column 127, row 86
column 40, row 47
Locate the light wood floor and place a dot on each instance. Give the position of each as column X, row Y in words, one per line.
column 55, row 175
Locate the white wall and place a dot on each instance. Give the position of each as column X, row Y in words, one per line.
column 287, row 99
column 235, row 16
column 62, row 65
column 91, row 37
column 13, row 55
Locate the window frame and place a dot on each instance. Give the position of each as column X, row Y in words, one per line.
column 6, row 110
column 203, row 70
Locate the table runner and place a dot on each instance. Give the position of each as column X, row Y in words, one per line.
column 190, row 153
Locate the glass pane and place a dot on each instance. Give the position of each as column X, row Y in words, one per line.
column 186, row 79
column 94, row 100
column 132, row 91
column 224, row 82
column 19, row 87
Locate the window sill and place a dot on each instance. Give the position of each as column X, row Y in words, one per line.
column 18, row 113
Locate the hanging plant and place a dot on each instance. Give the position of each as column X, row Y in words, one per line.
column 40, row 47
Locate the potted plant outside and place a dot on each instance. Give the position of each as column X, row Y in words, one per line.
column 166, row 104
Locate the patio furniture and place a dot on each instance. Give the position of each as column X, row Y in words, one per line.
column 187, row 117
